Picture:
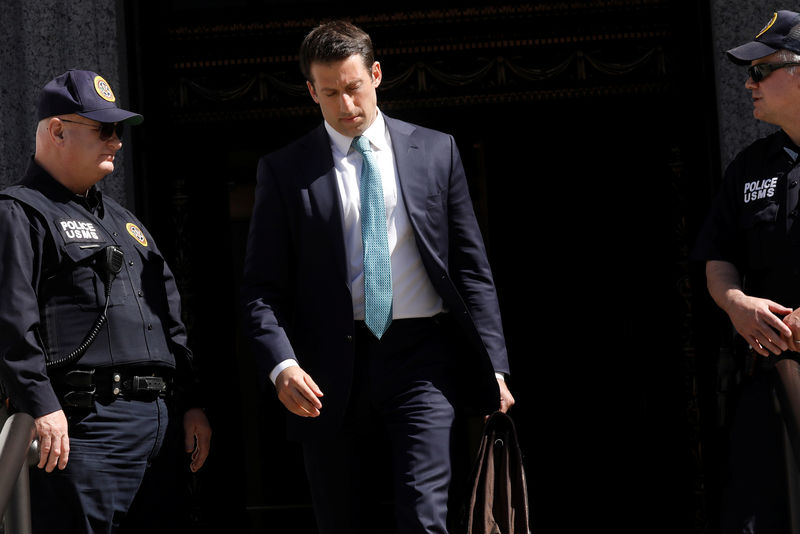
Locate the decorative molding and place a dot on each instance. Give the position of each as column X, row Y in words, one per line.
column 423, row 84
column 423, row 103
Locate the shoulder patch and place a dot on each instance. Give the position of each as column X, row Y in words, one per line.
column 137, row 234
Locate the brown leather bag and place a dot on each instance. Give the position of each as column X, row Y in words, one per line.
column 498, row 503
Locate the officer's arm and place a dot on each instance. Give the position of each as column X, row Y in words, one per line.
column 22, row 363
column 758, row 321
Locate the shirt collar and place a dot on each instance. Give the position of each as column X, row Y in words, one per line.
column 791, row 149
column 376, row 133
column 39, row 179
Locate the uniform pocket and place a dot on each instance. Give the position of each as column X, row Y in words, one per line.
column 761, row 235
column 88, row 275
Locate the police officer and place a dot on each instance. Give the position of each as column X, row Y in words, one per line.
column 91, row 341
column 751, row 246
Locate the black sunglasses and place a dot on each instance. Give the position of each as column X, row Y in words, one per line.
column 762, row 70
column 106, row 129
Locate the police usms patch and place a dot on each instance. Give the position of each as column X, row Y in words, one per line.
column 77, row 231
column 137, row 234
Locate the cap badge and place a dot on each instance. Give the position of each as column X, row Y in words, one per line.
column 768, row 26
column 103, row 89
column 137, row 234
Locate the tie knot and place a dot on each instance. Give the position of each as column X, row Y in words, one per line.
column 361, row 144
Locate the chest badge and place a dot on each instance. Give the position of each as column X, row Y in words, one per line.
column 759, row 189
column 136, row 233
column 78, row 231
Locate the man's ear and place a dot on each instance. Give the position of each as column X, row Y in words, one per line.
column 311, row 91
column 56, row 129
column 377, row 76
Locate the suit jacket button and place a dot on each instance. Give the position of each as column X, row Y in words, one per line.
column 349, row 338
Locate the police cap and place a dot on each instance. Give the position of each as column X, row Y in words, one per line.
column 84, row 93
column 781, row 32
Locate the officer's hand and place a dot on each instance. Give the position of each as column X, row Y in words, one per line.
column 298, row 392
column 758, row 322
column 53, row 440
column 196, row 437
column 793, row 322
column 506, row 399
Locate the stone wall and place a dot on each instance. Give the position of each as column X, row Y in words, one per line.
column 38, row 41
column 736, row 22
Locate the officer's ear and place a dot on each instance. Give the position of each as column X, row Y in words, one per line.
column 56, row 129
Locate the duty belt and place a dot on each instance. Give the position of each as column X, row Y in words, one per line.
column 79, row 388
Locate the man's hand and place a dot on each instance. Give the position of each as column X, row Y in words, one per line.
column 506, row 399
column 53, row 440
column 758, row 322
column 196, row 437
column 298, row 392
column 793, row 322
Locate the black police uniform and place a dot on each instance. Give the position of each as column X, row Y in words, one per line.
column 52, row 278
column 754, row 225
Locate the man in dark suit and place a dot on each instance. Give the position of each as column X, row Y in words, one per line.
column 396, row 322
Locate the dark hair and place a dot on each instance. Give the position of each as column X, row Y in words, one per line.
column 335, row 40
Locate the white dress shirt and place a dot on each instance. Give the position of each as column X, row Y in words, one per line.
column 413, row 295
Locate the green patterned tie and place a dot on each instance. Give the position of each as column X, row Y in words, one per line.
column 377, row 263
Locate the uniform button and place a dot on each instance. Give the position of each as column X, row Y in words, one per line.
column 349, row 338
column 140, row 292
column 130, row 263
column 115, row 234
column 793, row 213
column 149, row 327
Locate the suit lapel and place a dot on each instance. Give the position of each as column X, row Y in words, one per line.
column 324, row 195
column 412, row 161
column 409, row 156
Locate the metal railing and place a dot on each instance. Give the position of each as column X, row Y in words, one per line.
column 17, row 448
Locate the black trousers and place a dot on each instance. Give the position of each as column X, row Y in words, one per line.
column 404, row 386
column 755, row 498
column 111, row 448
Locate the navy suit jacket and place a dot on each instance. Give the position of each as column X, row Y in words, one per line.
column 297, row 302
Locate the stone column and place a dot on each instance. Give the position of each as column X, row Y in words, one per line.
column 40, row 40
column 736, row 22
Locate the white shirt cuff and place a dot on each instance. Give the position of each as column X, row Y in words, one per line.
column 500, row 376
column 289, row 362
